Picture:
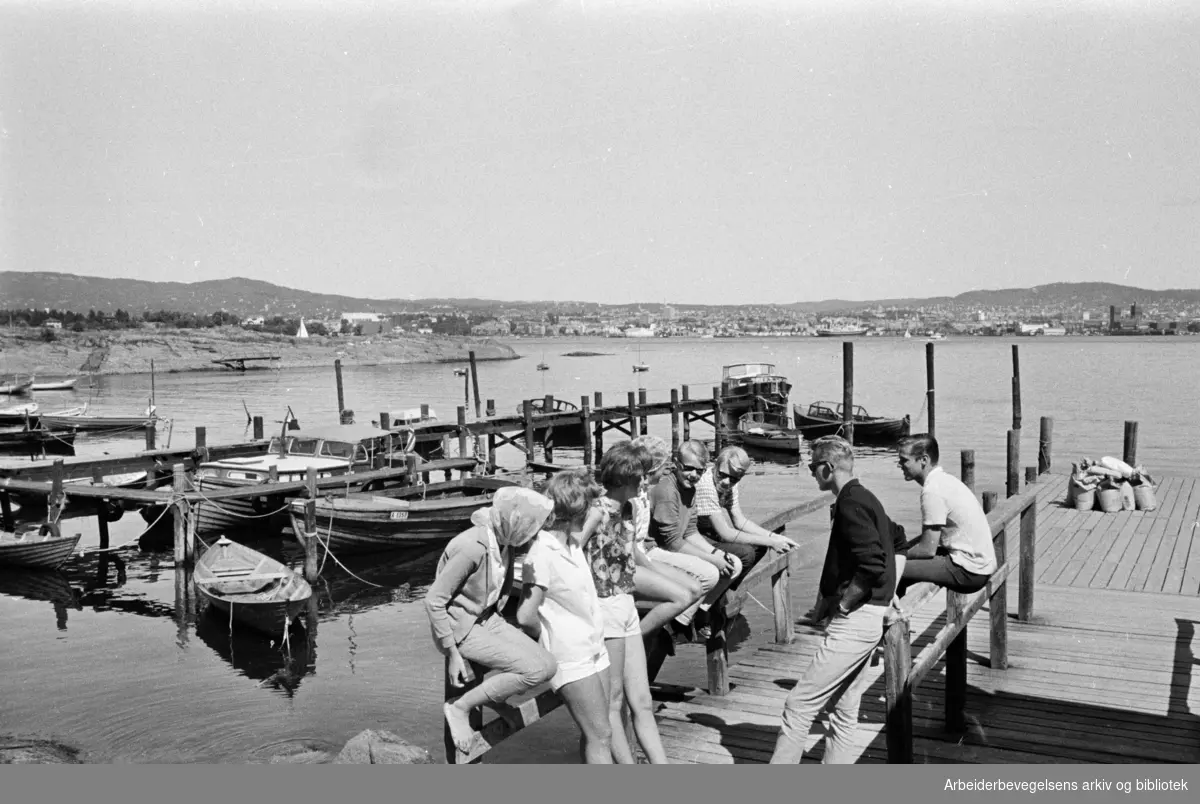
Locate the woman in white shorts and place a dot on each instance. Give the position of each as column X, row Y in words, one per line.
column 560, row 609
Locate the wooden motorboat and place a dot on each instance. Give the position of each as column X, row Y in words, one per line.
column 565, row 435
column 249, row 587
column 80, row 419
column 760, row 385
column 44, row 546
column 337, row 449
column 397, row 518
column 825, row 418
column 38, row 438
column 16, row 387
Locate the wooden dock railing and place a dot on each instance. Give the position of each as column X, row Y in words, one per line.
column 903, row 674
column 775, row 565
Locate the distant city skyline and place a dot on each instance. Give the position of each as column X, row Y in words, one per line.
column 609, row 151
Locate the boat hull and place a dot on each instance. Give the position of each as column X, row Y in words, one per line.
column 36, row 550
column 875, row 432
column 250, row 588
column 96, row 423
column 780, row 441
column 266, row 515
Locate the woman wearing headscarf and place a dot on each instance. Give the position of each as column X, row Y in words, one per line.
column 474, row 579
column 719, row 516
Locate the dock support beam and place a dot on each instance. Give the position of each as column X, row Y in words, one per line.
column 848, row 391
column 308, row 539
column 1129, row 455
column 930, row 396
column 182, row 553
column 998, row 609
column 1045, row 439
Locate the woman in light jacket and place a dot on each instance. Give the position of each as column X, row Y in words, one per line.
column 473, row 582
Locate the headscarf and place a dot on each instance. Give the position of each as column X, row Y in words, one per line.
column 515, row 515
column 733, row 460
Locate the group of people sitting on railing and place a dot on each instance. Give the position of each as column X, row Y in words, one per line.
column 670, row 530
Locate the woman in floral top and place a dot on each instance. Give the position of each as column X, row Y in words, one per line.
column 607, row 539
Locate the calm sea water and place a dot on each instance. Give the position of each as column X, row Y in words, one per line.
column 101, row 656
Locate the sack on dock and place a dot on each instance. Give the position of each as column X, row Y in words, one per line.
column 1081, row 489
column 1108, row 499
column 1128, row 501
column 1123, row 469
column 1085, row 499
column 1144, row 498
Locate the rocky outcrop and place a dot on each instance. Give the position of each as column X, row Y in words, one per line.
column 15, row 750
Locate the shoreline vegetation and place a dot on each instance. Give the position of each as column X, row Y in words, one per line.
column 173, row 351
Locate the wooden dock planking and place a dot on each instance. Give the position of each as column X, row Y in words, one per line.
column 1133, row 555
column 1184, row 546
column 1102, row 579
column 1100, row 676
column 1139, row 578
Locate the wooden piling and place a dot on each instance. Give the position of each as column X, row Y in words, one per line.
column 474, row 381
column 998, row 608
column 150, row 435
column 897, row 658
column 527, row 412
column 490, row 409
column 309, row 538
column 633, row 418
column 410, row 468
column 956, row 667
column 56, row 500
column 548, row 438
column 180, row 515
column 687, row 422
column 1031, row 475
column 930, row 396
column 643, row 422
column 385, row 420
column 968, row 468
column 1016, row 388
column 848, row 391
column 676, row 430
column 1129, row 454
column 337, row 370
column 1045, row 437
column 462, row 435
column 599, row 400
column 718, row 420
column 201, row 437
column 101, row 509
column 6, row 512
column 585, row 421
column 1014, row 463
column 258, row 428
column 424, row 411
column 1026, row 564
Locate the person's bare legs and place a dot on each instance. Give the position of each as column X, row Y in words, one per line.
column 622, row 753
column 641, row 705
column 588, row 702
column 676, row 591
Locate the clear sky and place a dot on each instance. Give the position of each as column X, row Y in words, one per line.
column 604, row 150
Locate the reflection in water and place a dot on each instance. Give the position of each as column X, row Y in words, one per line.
column 278, row 665
column 40, row 584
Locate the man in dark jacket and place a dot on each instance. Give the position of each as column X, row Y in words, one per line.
column 857, row 586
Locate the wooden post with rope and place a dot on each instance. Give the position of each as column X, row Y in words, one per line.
column 180, row 515
column 308, row 540
column 101, row 508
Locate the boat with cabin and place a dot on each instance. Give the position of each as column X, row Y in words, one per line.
column 336, row 449
column 826, row 418
column 761, row 386
column 838, row 328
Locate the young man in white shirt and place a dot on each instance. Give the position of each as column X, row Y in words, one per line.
column 955, row 547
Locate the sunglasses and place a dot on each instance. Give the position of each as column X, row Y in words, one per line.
column 732, row 477
column 812, row 467
column 687, row 467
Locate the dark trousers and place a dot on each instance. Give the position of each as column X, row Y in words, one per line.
column 941, row 571
column 748, row 554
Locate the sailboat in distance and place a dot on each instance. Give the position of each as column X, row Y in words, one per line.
column 640, row 365
column 543, row 366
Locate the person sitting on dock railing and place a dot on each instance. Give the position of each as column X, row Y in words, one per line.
column 677, row 541
column 560, row 608
column 719, row 516
column 473, row 581
column 607, row 539
column 857, row 584
column 954, row 549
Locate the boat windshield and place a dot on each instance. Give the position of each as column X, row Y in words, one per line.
column 748, row 370
column 302, row 446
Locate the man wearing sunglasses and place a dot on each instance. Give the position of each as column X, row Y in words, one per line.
column 857, row 585
column 719, row 515
column 678, row 542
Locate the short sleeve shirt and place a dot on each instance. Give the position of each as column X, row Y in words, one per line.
column 610, row 551
column 712, row 499
column 572, row 623
column 672, row 514
column 966, row 534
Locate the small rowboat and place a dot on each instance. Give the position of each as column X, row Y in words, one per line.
column 758, row 433
column 17, row 414
column 249, row 587
column 45, row 547
column 55, row 385
column 16, row 388
column 38, row 439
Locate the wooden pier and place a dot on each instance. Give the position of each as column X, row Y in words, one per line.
column 1106, row 669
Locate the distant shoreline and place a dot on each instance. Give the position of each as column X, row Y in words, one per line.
column 179, row 351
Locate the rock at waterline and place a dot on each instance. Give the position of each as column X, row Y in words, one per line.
column 19, row 751
column 372, row 747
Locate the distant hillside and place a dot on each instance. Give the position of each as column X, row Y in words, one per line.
column 246, row 297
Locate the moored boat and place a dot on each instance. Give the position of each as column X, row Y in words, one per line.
column 826, row 418
column 249, row 587
column 16, row 387
column 38, row 438
column 761, row 386
column 361, row 523
column 44, row 546
column 18, row 414
column 565, row 435
column 80, row 419
column 757, row 433
column 55, row 385
column 337, row 449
